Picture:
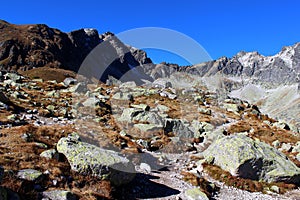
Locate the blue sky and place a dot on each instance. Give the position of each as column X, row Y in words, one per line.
column 223, row 28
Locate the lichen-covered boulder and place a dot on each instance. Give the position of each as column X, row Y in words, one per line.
column 247, row 158
column 89, row 159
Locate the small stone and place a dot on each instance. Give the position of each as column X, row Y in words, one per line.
column 13, row 76
column 30, row 174
column 298, row 157
column 90, row 102
column 282, row 125
column 196, row 194
column 286, row 147
column 58, row 195
column 143, row 107
column 296, row 148
column 204, row 111
column 54, row 182
column 199, row 99
column 129, row 84
column 162, row 108
column 168, row 94
column 145, row 167
column 69, row 81
column 143, row 143
column 209, row 160
column 148, row 127
column 41, row 145
column 103, row 98
column 12, row 117
column 267, row 122
column 50, row 108
column 50, row 154
column 26, row 137
column 50, row 94
column 78, row 88
column 123, row 133
column 47, row 172
column 275, row 188
column 231, row 107
column 160, row 83
column 123, row 96
column 276, row 144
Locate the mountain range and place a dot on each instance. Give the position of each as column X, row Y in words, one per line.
column 24, row 47
column 247, row 75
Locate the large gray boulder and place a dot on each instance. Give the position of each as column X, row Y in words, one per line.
column 136, row 114
column 89, row 159
column 247, row 158
column 178, row 127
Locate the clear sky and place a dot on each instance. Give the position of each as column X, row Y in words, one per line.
column 222, row 27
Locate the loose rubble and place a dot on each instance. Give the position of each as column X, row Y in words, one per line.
column 150, row 141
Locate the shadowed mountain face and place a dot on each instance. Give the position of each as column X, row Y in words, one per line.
column 24, row 47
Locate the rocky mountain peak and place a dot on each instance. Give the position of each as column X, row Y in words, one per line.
column 24, row 47
column 282, row 68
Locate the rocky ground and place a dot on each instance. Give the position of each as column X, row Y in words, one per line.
column 69, row 138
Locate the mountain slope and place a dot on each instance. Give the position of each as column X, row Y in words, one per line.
column 24, row 47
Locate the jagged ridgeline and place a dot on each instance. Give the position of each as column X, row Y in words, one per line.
column 24, row 47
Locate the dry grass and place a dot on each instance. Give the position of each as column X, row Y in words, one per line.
column 245, row 184
column 47, row 73
column 262, row 131
column 205, row 186
column 16, row 154
column 257, row 129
